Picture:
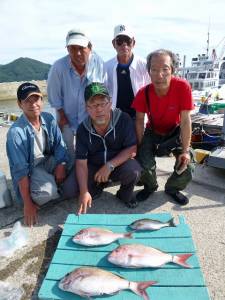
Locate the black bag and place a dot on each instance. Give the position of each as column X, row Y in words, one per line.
column 169, row 142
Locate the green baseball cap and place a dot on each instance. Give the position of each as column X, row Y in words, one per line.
column 93, row 89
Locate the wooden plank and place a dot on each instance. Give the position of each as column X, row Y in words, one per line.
column 164, row 277
column 113, row 219
column 50, row 291
column 181, row 245
column 174, row 281
column 175, row 232
column 99, row 259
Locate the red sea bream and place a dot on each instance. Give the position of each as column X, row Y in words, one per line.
column 141, row 256
column 90, row 281
column 94, row 236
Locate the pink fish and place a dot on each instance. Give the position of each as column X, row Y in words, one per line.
column 94, row 236
column 91, row 281
column 140, row 256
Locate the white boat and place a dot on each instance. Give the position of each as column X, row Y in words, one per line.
column 206, row 73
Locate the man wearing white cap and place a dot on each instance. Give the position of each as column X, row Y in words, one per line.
column 126, row 72
column 67, row 80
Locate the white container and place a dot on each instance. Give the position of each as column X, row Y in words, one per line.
column 5, row 195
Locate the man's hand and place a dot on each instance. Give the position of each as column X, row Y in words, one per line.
column 30, row 213
column 183, row 159
column 103, row 174
column 85, row 201
column 62, row 120
column 60, row 173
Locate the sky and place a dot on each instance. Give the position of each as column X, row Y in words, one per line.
column 37, row 28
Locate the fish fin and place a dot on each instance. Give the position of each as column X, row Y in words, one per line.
column 172, row 223
column 181, row 260
column 139, row 288
column 128, row 235
column 86, row 296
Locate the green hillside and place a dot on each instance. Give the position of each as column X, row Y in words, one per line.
column 23, row 69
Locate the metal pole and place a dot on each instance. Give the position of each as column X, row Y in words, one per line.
column 223, row 129
column 184, row 63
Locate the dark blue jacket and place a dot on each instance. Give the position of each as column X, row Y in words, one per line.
column 99, row 149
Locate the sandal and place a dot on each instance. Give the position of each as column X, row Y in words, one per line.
column 130, row 204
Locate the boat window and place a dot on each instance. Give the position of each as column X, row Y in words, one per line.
column 192, row 75
column 195, row 85
column 205, row 63
column 201, row 75
column 222, row 75
column 208, row 75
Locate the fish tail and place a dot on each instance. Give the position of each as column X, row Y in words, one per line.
column 181, row 260
column 139, row 288
column 128, row 235
column 172, row 223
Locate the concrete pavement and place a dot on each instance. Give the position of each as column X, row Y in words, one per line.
column 205, row 214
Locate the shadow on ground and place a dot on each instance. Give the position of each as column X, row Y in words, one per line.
column 48, row 249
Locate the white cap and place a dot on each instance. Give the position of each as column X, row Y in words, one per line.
column 78, row 37
column 123, row 30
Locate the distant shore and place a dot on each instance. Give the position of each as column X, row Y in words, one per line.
column 8, row 89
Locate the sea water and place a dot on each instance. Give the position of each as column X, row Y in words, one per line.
column 11, row 107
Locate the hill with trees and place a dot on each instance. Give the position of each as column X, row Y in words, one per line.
column 24, row 69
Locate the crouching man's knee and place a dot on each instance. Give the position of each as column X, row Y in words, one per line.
column 43, row 193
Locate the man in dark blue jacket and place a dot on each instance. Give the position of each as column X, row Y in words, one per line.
column 105, row 149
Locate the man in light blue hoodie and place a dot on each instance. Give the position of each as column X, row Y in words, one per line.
column 67, row 80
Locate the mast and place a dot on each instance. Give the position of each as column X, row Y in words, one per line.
column 207, row 48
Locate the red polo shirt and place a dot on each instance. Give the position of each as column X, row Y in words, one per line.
column 165, row 110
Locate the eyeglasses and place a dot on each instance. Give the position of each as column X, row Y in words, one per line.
column 96, row 106
column 123, row 39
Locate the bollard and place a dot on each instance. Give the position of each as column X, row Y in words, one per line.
column 5, row 195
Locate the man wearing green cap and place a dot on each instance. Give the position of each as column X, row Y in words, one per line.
column 105, row 149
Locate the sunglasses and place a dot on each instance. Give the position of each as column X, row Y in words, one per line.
column 123, row 39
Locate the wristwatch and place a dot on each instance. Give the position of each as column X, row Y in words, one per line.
column 186, row 151
column 110, row 166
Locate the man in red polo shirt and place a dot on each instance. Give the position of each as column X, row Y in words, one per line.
column 168, row 104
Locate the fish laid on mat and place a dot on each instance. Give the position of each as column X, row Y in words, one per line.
column 94, row 236
column 149, row 224
column 140, row 256
column 91, row 281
